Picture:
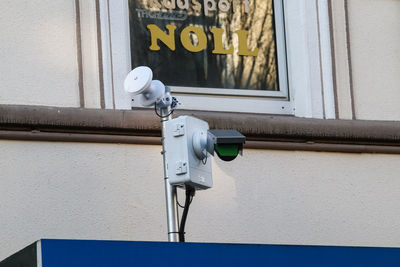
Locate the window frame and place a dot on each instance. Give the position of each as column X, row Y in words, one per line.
column 308, row 62
column 283, row 93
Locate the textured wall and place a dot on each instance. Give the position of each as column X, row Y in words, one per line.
column 375, row 54
column 91, row 191
column 38, row 53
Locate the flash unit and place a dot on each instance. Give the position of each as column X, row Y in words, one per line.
column 227, row 143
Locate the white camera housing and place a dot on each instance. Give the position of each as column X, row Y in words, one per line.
column 140, row 82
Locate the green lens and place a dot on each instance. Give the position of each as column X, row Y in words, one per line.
column 227, row 150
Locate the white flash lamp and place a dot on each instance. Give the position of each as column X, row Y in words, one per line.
column 140, row 82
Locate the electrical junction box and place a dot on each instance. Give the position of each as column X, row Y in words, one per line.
column 185, row 168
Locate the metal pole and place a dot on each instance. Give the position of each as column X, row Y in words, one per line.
column 170, row 190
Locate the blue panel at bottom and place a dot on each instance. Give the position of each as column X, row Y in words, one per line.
column 70, row 253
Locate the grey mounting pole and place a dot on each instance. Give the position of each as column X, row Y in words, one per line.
column 170, row 190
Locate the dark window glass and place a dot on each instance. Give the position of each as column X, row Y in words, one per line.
column 206, row 43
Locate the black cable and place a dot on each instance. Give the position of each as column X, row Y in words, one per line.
column 189, row 197
column 159, row 115
column 179, row 204
column 177, row 201
column 174, row 104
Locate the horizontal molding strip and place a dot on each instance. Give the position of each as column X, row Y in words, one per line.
column 143, row 127
column 148, row 140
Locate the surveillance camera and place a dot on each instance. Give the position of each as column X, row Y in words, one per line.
column 227, row 143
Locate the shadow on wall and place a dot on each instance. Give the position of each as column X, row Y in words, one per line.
column 278, row 197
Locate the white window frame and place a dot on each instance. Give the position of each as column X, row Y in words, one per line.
column 309, row 65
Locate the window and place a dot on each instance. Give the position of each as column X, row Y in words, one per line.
column 224, row 55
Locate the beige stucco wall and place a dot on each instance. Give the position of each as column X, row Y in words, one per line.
column 39, row 64
column 38, row 53
column 93, row 191
column 375, row 55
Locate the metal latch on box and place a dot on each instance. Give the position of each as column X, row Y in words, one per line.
column 179, row 130
column 181, row 167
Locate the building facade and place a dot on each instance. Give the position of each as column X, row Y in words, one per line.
column 81, row 159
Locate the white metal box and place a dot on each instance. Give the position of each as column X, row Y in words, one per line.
column 184, row 167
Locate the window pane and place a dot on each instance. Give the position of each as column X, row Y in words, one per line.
column 206, row 43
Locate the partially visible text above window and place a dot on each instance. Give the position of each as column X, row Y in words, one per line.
column 224, row 44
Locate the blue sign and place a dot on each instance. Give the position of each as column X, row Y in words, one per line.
column 69, row 253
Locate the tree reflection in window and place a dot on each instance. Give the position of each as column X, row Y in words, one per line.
column 205, row 69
